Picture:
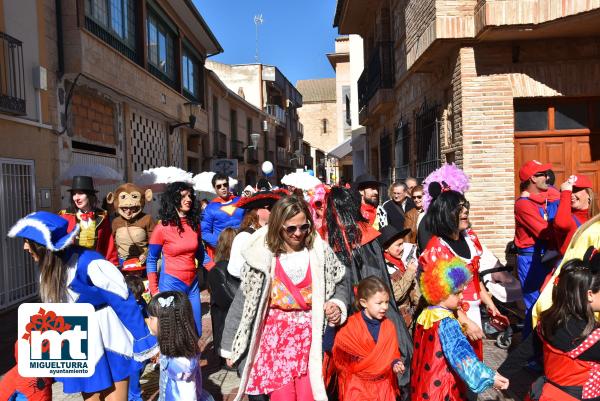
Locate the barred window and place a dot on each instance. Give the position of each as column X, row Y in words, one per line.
column 115, row 17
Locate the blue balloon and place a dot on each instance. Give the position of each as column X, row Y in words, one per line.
column 311, row 172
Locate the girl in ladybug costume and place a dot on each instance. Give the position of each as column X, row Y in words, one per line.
column 569, row 335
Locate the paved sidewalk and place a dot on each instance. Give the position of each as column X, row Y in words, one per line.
column 223, row 384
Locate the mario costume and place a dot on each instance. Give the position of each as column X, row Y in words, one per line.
column 121, row 333
column 94, row 226
column 444, row 361
column 532, row 233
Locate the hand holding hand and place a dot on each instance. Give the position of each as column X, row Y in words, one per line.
column 398, row 367
column 333, row 313
column 500, row 382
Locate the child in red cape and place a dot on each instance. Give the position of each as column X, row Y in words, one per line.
column 365, row 351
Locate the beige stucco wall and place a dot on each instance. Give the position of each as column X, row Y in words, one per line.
column 311, row 116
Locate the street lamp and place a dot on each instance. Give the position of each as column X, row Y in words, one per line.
column 254, row 138
column 191, row 119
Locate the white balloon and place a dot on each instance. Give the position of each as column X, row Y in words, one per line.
column 267, row 168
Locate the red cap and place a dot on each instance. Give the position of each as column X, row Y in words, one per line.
column 581, row 181
column 531, row 168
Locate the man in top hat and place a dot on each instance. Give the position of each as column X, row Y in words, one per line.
column 532, row 231
column 368, row 189
column 95, row 232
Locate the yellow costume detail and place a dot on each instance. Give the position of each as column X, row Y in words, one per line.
column 429, row 316
column 589, row 236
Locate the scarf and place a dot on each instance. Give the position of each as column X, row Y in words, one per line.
column 395, row 261
column 355, row 353
column 370, row 213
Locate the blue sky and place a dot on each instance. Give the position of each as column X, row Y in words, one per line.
column 295, row 34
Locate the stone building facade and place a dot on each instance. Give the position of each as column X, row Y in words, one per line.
column 266, row 88
column 485, row 84
column 319, row 116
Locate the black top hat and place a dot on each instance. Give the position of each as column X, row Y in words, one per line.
column 366, row 180
column 390, row 234
column 82, row 183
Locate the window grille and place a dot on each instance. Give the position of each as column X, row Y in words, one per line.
column 402, row 151
column 114, row 22
column 428, row 146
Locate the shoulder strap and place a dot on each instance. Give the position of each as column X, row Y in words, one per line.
column 577, row 222
column 592, row 339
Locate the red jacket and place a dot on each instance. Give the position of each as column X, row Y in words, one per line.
column 564, row 222
column 104, row 241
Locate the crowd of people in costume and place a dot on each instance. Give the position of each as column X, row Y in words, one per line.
column 324, row 293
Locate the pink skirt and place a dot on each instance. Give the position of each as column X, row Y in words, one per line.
column 282, row 352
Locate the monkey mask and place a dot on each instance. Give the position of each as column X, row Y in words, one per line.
column 129, row 200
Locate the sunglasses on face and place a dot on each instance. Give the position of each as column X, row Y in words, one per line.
column 417, row 197
column 224, row 185
column 540, row 175
column 292, row 229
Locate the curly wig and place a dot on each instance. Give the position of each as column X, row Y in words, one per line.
column 170, row 202
column 177, row 336
column 343, row 218
column 442, row 278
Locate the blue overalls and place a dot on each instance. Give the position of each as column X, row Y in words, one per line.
column 530, row 268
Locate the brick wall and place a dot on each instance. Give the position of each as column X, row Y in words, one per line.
column 488, row 151
column 92, row 117
column 521, row 12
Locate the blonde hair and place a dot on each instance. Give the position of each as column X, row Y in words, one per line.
column 285, row 209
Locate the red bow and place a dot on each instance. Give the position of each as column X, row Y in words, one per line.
column 87, row 216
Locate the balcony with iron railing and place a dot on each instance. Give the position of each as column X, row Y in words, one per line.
column 220, row 144
column 283, row 156
column 375, row 85
column 12, row 76
column 237, row 150
column 276, row 111
column 300, row 129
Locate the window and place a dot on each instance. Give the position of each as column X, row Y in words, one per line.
column 191, row 75
column 346, row 103
column 114, row 22
column 161, row 43
column 233, row 120
column 324, row 123
column 555, row 115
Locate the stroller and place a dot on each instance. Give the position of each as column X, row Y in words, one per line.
column 505, row 290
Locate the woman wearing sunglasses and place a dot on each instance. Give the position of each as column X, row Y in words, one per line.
column 285, row 299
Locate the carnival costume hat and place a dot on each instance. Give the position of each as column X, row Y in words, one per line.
column 46, row 229
column 531, row 168
column 581, row 181
column 446, row 178
column 442, row 278
column 390, row 234
column 260, row 199
column 366, row 180
column 82, row 183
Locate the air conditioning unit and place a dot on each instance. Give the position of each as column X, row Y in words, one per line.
column 265, row 125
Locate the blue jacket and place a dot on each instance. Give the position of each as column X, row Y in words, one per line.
column 218, row 215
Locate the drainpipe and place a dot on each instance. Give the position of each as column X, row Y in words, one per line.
column 59, row 38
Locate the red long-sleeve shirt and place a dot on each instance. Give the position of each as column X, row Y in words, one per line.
column 564, row 224
column 529, row 223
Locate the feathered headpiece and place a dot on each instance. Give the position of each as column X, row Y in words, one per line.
column 443, row 277
column 448, row 177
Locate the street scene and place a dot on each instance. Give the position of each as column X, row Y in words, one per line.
column 389, row 200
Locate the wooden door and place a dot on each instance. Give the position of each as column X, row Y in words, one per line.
column 567, row 154
column 572, row 150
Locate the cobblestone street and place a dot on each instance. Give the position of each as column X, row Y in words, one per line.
column 223, row 384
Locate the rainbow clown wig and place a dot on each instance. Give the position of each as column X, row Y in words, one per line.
column 442, row 277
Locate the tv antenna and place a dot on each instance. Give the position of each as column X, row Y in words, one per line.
column 258, row 20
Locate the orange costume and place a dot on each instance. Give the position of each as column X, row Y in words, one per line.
column 363, row 365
